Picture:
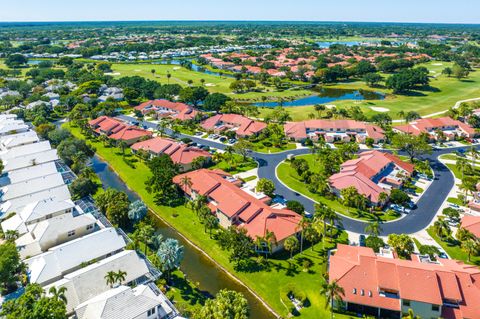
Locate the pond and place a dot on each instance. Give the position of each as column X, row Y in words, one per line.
column 327, row 95
column 198, row 268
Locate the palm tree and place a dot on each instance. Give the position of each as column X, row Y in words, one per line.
column 442, row 229
column 271, row 240
column 168, row 77
column 170, row 254
column 185, row 182
column 321, row 214
column 461, row 165
column 333, row 292
column 110, row 278
column 120, row 276
column 123, row 145
column 202, row 81
column 291, row 244
column 153, row 72
column 470, row 247
column 11, row 235
column 302, row 225
column 474, row 154
column 401, row 114
column 146, row 233
column 373, row 229
column 58, row 294
column 312, row 235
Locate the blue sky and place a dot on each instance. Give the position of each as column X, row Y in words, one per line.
column 447, row 11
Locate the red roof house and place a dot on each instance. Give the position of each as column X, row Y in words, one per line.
column 235, row 206
column 333, row 130
column 450, row 127
column 180, row 153
column 472, row 224
column 166, row 108
column 371, row 174
column 118, row 130
column 243, row 126
column 388, row 287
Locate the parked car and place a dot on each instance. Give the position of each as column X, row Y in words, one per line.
column 198, row 133
column 211, row 136
column 443, row 255
column 454, row 205
column 232, row 141
column 222, row 139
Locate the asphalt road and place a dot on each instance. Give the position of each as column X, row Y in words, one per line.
column 416, row 220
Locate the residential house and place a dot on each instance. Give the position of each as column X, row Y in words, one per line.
column 29, row 160
column 241, row 125
column 334, row 130
column 472, row 224
column 89, row 281
column 29, row 187
column 36, row 212
column 27, row 173
column 60, row 260
column 11, row 126
column 9, row 141
column 107, row 93
column 444, row 128
column 180, row 153
column 372, row 173
column 168, row 109
column 127, row 303
column 118, row 130
column 14, row 205
column 385, row 286
column 240, row 206
column 53, row 232
column 25, row 150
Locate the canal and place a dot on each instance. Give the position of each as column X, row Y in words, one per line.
column 197, row 267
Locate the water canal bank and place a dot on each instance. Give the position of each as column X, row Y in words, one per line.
column 198, row 267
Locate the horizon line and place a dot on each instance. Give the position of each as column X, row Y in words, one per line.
column 213, row 20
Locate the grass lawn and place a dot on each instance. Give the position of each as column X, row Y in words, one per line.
column 259, row 147
column 454, row 250
column 236, row 164
column 289, row 177
column 445, row 93
column 458, row 173
column 213, row 83
column 455, row 201
column 265, row 283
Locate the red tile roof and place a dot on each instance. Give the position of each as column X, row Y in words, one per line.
column 358, row 268
column 180, row 111
column 298, row 130
column 117, row 130
column 253, row 214
column 429, row 125
column 472, row 224
column 359, row 173
column 244, row 126
column 178, row 152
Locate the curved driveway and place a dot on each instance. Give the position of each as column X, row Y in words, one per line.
column 417, row 220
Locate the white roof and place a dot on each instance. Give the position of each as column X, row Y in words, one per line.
column 124, row 303
column 31, row 186
column 7, row 127
column 30, row 160
column 15, row 205
column 27, row 173
column 53, row 230
column 14, row 223
column 23, row 150
column 60, row 260
column 4, row 116
column 89, row 281
column 13, row 140
column 40, row 209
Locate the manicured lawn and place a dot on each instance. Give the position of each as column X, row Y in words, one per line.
column 447, row 91
column 453, row 250
column 289, row 177
column 455, row 201
column 265, row 282
column 458, row 173
column 236, row 164
column 259, row 147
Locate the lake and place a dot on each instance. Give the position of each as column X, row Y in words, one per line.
column 327, row 95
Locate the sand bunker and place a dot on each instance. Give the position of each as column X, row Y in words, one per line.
column 330, row 106
column 177, row 68
column 112, row 73
column 137, row 70
column 379, row 109
column 437, row 64
column 209, row 84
